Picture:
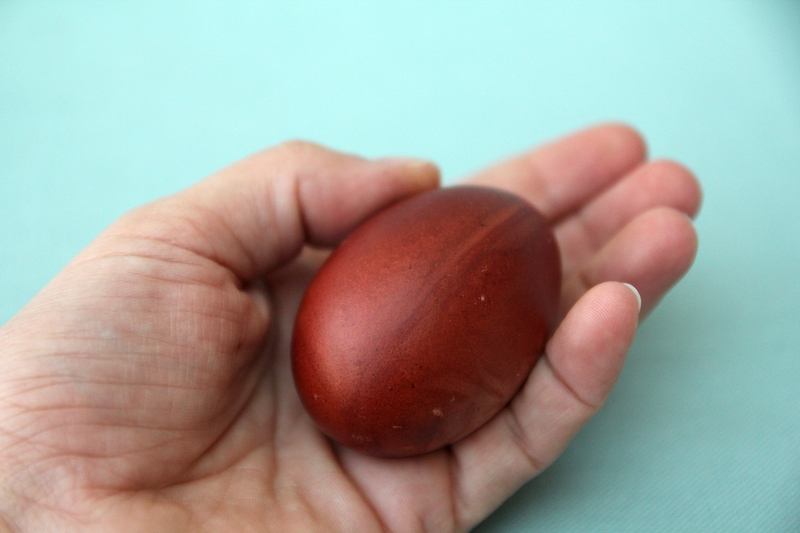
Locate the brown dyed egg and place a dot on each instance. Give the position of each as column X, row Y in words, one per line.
column 426, row 320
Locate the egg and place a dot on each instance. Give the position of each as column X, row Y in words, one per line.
column 426, row 320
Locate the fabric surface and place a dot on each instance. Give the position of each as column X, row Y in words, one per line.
column 106, row 105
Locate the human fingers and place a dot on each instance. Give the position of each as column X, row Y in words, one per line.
column 560, row 177
column 566, row 388
column 655, row 184
column 652, row 252
column 257, row 214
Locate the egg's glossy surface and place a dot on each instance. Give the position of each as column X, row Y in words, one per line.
column 426, row 320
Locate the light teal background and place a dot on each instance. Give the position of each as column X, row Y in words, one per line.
column 106, row 105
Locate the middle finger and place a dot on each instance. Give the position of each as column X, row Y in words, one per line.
column 655, row 184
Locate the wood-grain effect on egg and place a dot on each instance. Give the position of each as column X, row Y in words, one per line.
column 426, row 320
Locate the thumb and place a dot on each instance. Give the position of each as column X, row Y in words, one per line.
column 258, row 213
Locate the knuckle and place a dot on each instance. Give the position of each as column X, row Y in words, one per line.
column 296, row 148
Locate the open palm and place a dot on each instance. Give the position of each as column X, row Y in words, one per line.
column 148, row 386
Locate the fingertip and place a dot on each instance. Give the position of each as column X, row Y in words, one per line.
column 590, row 346
column 627, row 137
column 679, row 183
column 613, row 307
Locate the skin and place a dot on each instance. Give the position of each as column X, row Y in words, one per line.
column 148, row 386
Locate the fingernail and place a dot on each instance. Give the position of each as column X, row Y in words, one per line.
column 423, row 173
column 636, row 292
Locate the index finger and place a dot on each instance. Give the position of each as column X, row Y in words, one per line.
column 562, row 176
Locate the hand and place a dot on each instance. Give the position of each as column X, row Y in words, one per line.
column 148, row 386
